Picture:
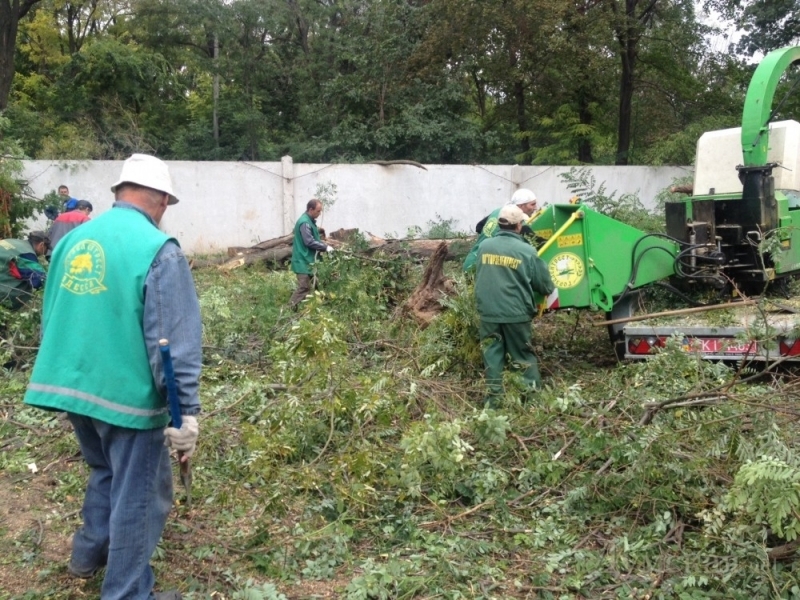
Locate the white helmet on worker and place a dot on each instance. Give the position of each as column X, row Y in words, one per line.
column 147, row 171
column 523, row 196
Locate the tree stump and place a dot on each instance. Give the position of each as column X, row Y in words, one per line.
column 424, row 303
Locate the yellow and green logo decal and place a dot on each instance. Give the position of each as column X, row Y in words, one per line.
column 85, row 268
column 566, row 270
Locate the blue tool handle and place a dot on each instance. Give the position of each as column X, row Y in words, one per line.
column 172, row 387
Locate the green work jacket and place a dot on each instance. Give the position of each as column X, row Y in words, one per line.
column 508, row 272
column 101, row 370
column 490, row 228
column 303, row 256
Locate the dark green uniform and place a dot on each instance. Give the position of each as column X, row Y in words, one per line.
column 490, row 228
column 509, row 271
column 306, row 244
column 303, row 256
column 20, row 272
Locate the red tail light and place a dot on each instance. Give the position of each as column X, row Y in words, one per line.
column 644, row 345
column 789, row 347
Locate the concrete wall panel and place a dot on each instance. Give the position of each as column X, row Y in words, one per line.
column 239, row 204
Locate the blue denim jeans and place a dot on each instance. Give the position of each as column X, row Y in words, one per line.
column 127, row 501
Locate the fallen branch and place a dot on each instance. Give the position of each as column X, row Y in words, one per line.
column 784, row 551
column 670, row 313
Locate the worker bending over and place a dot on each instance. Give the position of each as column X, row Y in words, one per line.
column 20, row 270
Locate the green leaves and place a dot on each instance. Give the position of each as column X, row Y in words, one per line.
column 767, row 490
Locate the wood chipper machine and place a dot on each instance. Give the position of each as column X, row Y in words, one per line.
column 739, row 232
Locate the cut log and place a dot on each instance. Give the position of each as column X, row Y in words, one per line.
column 279, row 250
column 424, row 303
column 686, row 188
column 285, row 240
column 453, row 249
column 274, row 255
column 345, row 235
column 200, row 263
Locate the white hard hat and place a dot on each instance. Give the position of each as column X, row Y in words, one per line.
column 147, row 171
column 523, row 196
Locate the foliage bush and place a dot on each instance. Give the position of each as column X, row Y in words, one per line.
column 17, row 203
column 626, row 208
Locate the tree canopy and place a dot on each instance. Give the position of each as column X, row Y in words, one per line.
column 436, row 81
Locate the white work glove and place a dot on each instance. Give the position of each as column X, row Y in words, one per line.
column 329, row 249
column 184, row 439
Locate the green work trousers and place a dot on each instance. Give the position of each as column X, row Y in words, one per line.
column 510, row 343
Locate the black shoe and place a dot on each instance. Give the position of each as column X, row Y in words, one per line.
column 82, row 573
column 170, row 595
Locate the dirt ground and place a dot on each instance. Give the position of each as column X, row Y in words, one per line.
column 35, row 538
column 35, row 534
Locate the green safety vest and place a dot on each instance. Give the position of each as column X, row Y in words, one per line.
column 303, row 256
column 93, row 359
column 15, row 291
column 490, row 228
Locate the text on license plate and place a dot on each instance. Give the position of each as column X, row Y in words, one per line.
column 723, row 346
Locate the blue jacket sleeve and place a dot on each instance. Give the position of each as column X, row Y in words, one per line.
column 172, row 311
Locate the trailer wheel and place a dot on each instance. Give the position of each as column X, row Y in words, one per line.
column 623, row 308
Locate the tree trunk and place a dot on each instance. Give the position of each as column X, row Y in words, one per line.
column 215, row 93
column 629, row 29
column 522, row 116
column 424, row 303
column 585, row 116
column 11, row 11
column 8, row 36
column 628, row 56
column 273, row 255
column 234, row 251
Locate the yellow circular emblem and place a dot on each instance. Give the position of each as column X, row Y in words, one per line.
column 566, row 270
column 84, row 268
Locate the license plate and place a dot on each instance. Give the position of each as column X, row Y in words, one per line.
column 723, row 346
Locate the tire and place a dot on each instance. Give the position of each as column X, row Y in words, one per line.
column 623, row 308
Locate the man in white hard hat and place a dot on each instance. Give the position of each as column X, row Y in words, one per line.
column 487, row 227
column 119, row 285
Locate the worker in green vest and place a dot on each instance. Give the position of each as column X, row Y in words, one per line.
column 305, row 246
column 20, row 270
column 117, row 286
column 487, row 227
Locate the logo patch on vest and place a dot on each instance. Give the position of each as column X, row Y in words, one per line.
column 85, row 268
